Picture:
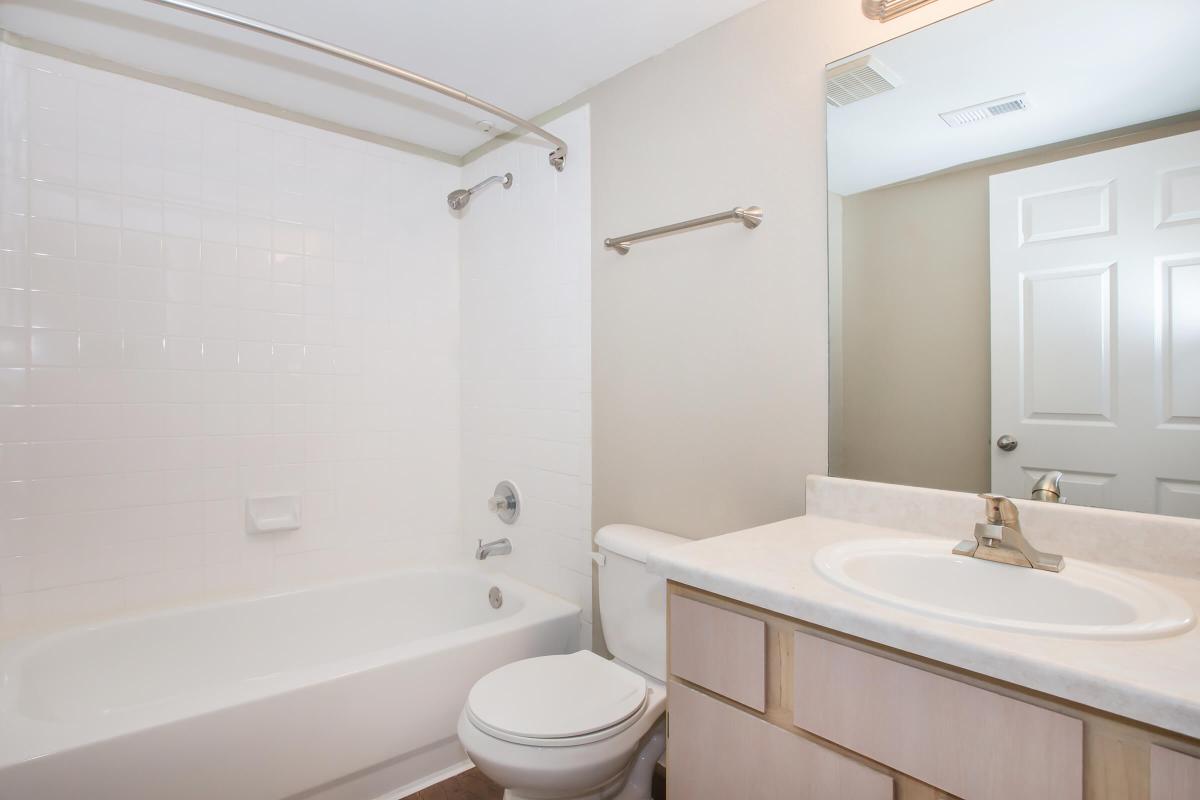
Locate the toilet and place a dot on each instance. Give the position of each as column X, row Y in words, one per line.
column 579, row 726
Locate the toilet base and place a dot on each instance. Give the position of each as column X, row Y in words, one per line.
column 634, row 782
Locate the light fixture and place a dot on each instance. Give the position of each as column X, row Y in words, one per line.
column 884, row 10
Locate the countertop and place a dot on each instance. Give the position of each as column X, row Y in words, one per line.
column 1156, row 682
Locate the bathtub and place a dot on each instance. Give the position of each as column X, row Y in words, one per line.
column 343, row 692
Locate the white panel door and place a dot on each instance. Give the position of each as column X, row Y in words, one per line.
column 1095, row 302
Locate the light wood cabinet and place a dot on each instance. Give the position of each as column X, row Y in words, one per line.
column 1173, row 776
column 933, row 731
column 717, row 752
column 721, row 650
column 968, row 741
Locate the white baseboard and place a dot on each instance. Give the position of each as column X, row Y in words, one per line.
column 427, row 781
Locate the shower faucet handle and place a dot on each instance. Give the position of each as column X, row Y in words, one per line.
column 505, row 502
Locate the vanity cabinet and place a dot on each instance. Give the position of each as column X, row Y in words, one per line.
column 1173, row 776
column 970, row 741
column 765, row 706
column 720, row 753
column 721, row 650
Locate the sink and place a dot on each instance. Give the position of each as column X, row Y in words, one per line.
column 1084, row 601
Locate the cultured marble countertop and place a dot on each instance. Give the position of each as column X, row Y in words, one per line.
column 1155, row 681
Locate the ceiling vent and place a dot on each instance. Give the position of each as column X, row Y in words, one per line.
column 857, row 80
column 978, row 113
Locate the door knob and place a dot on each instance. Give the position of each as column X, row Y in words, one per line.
column 1006, row 443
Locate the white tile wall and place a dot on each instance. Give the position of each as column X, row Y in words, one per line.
column 526, row 333
column 198, row 302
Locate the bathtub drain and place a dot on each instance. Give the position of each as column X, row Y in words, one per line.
column 496, row 597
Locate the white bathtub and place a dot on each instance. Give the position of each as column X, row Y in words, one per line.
column 345, row 692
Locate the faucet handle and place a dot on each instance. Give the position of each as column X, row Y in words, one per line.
column 1000, row 510
column 505, row 502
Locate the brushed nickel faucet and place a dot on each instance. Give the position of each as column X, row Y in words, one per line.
column 500, row 547
column 1000, row 539
column 1047, row 488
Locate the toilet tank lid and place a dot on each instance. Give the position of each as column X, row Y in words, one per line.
column 635, row 542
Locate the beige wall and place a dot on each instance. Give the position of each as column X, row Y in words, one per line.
column 915, row 372
column 915, row 388
column 710, row 349
column 836, row 359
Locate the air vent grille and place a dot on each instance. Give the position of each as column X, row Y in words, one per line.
column 982, row 111
column 857, row 80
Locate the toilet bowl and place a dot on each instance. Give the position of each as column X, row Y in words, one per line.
column 579, row 726
column 522, row 731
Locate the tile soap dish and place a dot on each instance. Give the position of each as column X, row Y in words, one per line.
column 274, row 513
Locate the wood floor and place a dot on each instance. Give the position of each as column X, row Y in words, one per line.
column 474, row 785
column 469, row 785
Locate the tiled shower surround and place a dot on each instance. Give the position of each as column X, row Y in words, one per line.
column 526, row 323
column 199, row 303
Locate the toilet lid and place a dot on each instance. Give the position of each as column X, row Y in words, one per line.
column 553, row 697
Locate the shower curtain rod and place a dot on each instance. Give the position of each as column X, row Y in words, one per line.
column 557, row 157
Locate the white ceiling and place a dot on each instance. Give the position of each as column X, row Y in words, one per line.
column 1088, row 66
column 526, row 56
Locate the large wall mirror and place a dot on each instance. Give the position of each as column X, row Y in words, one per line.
column 1015, row 254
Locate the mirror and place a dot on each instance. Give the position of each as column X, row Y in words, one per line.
column 1015, row 255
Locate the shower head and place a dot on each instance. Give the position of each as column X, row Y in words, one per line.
column 458, row 199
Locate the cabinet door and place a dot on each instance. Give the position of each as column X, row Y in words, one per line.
column 974, row 743
column 721, row 650
column 716, row 752
column 1173, row 776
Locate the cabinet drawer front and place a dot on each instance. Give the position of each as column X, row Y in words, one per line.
column 1173, row 776
column 721, row 650
column 973, row 743
column 716, row 752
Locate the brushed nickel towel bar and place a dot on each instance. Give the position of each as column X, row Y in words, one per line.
column 557, row 157
column 750, row 216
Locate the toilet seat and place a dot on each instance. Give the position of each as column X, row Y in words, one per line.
column 557, row 701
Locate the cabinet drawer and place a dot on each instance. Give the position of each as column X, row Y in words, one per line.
column 721, row 650
column 973, row 743
column 1173, row 776
column 716, row 752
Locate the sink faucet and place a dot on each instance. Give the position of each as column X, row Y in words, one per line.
column 1047, row 488
column 500, row 547
column 1000, row 539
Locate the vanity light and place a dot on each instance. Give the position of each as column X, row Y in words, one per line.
column 884, row 10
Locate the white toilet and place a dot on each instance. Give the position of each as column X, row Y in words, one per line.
column 581, row 727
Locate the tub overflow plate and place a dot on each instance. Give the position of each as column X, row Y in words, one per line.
column 496, row 597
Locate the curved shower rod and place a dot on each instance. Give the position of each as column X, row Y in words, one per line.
column 557, row 157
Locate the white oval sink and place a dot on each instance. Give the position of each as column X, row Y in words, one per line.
column 1084, row 601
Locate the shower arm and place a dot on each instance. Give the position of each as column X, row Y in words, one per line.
column 557, row 157
column 505, row 180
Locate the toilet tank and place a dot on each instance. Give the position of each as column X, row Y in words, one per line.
column 633, row 602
